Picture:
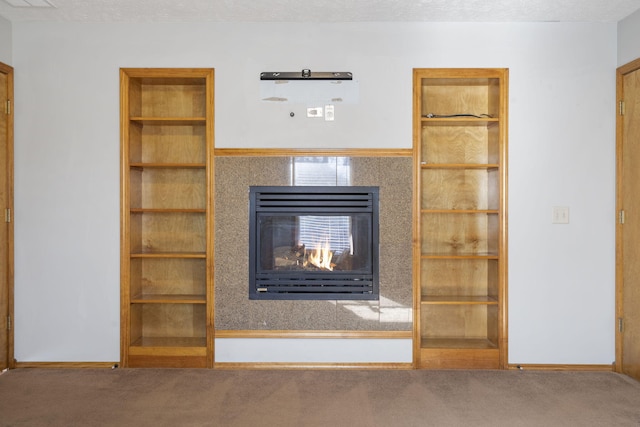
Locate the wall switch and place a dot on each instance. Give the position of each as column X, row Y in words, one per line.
column 329, row 113
column 314, row 112
column 560, row 215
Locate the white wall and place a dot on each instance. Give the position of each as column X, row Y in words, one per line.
column 629, row 38
column 562, row 152
column 5, row 41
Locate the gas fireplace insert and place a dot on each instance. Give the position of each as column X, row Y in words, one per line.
column 309, row 242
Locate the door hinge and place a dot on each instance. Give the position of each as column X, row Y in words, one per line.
column 8, row 323
column 621, row 216
column 7, row 215
column 8, row 107
column 621, row 108
column 620, row 324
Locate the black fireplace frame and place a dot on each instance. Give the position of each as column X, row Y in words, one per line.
column 313, row 200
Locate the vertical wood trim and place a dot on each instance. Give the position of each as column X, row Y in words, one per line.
column 210, row 227
column 503, row 264
column 8, row 70
column 619, row 311
column 124, row 220
column 417, row 154
column 619, row 259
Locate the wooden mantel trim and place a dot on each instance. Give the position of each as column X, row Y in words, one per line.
column 313, row 334
column 293, row 152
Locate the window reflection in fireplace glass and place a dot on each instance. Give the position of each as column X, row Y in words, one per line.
column 315, row 243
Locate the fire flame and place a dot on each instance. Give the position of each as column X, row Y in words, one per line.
column 321, row 257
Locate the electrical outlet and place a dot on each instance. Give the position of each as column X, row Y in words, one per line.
column 560, row 215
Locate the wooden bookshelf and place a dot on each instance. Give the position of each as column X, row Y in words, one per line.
column 167, row 217
column 460, row 262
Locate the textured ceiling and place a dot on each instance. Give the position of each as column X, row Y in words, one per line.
column 325, row 10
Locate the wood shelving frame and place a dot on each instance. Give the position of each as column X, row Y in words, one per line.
column 166, row 217
column 460, row 218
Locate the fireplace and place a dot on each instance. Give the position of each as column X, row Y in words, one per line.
column 313, row 242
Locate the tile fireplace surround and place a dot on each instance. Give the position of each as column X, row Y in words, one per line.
column 233, row 309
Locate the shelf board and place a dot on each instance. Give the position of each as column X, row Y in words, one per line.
column 168, row 255
column 461, row 77
column 169, row 299
column 166, row 210
column 182, row 342
column 460, row 211
column 458, row 343
column 458, row 300
column 459, row 256
column 169, row 121
column 194, row 77
column 488, row 166
column 141, row 165
column 459, row 121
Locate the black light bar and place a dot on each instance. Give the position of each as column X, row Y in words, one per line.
column 306, row 75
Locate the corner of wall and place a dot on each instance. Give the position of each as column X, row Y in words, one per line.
column 6, row 41
column 628, row 35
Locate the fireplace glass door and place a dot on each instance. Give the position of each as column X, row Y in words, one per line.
column 313, row 243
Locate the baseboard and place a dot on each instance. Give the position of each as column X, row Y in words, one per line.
column 317, row 366
column 314, row 366
column 67, row 365
column 560, row 367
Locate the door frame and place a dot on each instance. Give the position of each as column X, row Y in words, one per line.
column 620, row 73
column 8, row 71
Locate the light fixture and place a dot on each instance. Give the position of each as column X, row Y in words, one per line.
column 306, row 74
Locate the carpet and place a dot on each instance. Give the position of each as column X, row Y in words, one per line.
column 353, row 398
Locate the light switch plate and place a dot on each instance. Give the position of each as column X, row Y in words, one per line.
column 560, row 215
column 329, row 113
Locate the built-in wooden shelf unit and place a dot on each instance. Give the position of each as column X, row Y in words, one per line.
column 460, row 227
column 166, row 217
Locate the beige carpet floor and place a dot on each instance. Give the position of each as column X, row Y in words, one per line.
column 353, row 398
